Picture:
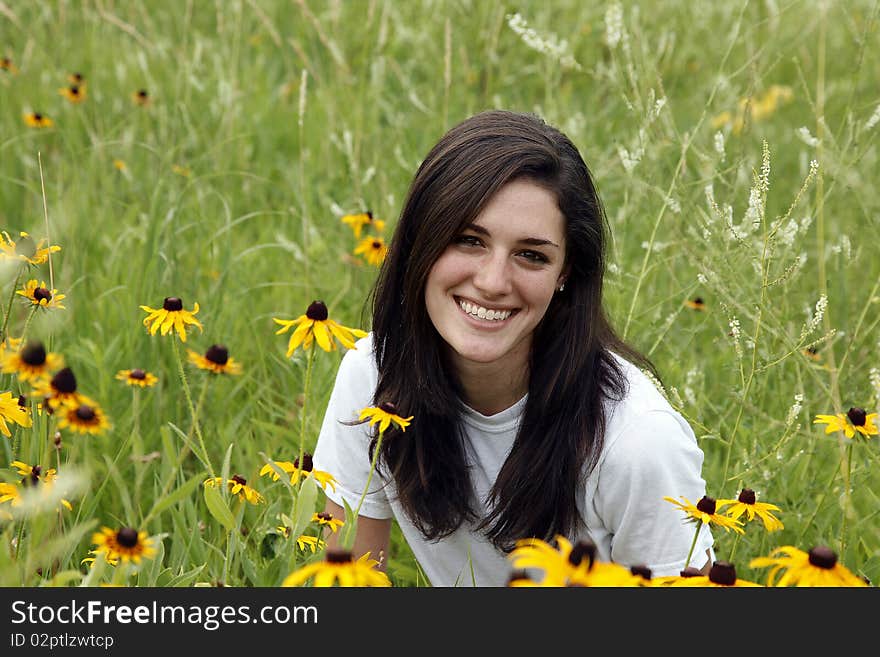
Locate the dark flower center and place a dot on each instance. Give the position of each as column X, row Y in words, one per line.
column 74, row 90
column 25, row 246
column 64, row 381
column 857, row 416
column 34, row 477
column 377, row 244
column 172, row 303
column 37, row 117
column 22, row 401
column 823, row 557
column 388, row 407
column 518, row 576
column 317, row 311
column 85, row 413
column 641, row 570
column 142, row 93
column 338, row 556
column 706, row 505
column 306, row 464
column 723, row 572
column 239, row 480
column 34, row 354
column 582, row 549
column 698, row 301
column 218, row 354
column 747, row 496
column 325, row 516
column 42, row 293
column 370, row 215
column 77, row 76
column 138, row 374
column 127, row 537
column 690, row 571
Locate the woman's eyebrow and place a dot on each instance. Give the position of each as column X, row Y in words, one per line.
column 531, row 241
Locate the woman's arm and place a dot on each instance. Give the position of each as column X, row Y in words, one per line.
column 372, row 535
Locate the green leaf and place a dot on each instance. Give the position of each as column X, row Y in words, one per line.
column 218, row 508
column 305, row 506
column 179, row 493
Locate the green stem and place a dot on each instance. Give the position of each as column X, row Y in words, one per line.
column 735, row 543
column 27, row 322
column 360, row 503
column 847, row 499
column 9, row 306
column 693, row 545
column 192, row 410
column 302, row 424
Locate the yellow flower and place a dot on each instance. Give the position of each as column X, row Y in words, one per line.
column 141, row 97
column 31, row 362
column 754, row 108
column 171, row 316
column 76, row 78
column 126, row 544
column 40, row 295
column 61, row 390
column 35, row 475
column 358, row 221
column 316, row 325
column 237, row 486
column 325, row 519
column 324, row 479
column 696, row 303
column 747, row 503
column 83, row 418
column 339, row 567
column 38, row 120
column 855, row 420
column 12, row 411
column 216, row 360
column 25, row 249
column 705, row 512
column 181, row 170
column 137, row 377
column 569, row 564
column 373, row 249
column 75, row 93
column 818, row 567
column 384, row 414
column 7, row 64
column 120, row 164
column 304, row 542
column 722, row 574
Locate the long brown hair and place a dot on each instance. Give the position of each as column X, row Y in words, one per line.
column 572, row 369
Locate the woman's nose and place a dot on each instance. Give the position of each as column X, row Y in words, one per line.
column 493, row 276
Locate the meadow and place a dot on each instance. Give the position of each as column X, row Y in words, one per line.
column 209, row 151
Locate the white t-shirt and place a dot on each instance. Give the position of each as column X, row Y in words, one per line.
column 649, row 452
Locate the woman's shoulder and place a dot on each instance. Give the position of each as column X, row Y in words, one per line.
column 359, row 361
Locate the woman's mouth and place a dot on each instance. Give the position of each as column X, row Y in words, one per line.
column 481, row 312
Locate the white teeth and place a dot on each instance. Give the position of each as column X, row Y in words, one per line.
column 484, row 313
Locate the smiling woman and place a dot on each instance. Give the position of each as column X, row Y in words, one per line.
column 531, row 418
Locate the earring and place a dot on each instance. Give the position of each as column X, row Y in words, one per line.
column 561, row 287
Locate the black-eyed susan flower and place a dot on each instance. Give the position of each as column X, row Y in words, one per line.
column 297, row 474
column 695, row 303
column 216, row 360
column 137, row 377
column 83, row 418
column 113, row 561
column 35, row 475
column 312, row 543
column 61, row 390
column 747, row 503
column 384, row 414
column 40, row 295
column 74, row 93
column 721, row 574
column 339, row 567
column 316, row 325
column 237, row 486
column 12, row 411
column 126, row 544
column 855, row 420
column 569, row 564
column 324, row 519
column 812, row 353
column 790, row 566
column 76, row 78
column 705, row 512
column 6, row 64
column 357, row 222
column 25, row 249
column 38, row 120
column 31, row 362
column 171, row 316
column 373, row 250
column 141, row 97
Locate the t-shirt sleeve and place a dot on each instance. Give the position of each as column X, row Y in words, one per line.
column 654, row 456
column 343, row 449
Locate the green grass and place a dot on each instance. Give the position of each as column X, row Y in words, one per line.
column 288, row 114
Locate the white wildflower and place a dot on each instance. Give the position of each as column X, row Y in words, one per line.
column 736, row 334
column 674, row 205
column 719, row 144
column 303, row 81
column 701, row 277
column 614, row 25
column 549, row 45
column 874, row 120
column 874, row 378
column 794, row 410
column 804, row 134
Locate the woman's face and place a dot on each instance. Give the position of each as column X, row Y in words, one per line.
column 490, row 288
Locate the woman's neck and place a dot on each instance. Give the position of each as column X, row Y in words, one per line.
column 490, row 389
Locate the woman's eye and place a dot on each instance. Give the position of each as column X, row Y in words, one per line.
column 534, row 256
column 468, row 240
